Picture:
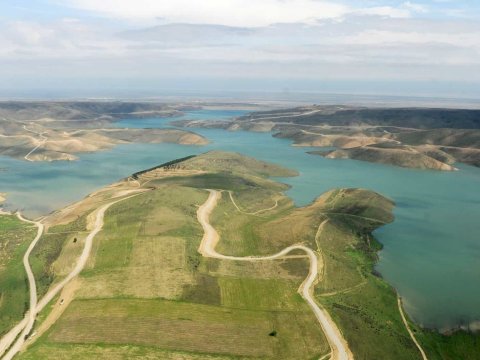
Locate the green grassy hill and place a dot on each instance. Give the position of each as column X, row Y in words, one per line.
column 147, row 293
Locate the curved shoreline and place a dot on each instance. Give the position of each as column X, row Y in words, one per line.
column 338, row 345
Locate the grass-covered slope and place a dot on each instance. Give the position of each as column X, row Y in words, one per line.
column 224, row 162
column 147, row 293
column 15, row 236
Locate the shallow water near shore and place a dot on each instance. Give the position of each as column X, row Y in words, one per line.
column 431, row 252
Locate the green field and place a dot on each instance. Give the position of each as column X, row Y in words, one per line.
column 55, row 242
column 146, row 277
column 15, row 236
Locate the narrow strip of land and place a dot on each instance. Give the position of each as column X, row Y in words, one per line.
column 412, row 335
column 339, row 346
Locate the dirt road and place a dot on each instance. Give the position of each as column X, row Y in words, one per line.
column 251, row 213
column 287, row 116
column 43, row 140
column 412, row 335
column 339, row 346
column 26, row 324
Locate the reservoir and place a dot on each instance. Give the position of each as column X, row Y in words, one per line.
column 431, row 251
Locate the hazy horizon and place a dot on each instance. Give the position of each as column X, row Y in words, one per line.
column 427, row 48
column 278, row 99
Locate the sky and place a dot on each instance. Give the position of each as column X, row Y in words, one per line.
column 111, row 47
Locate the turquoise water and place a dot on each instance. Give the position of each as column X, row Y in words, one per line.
column 431, row 252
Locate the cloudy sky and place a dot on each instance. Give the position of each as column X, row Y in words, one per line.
column 418, row 47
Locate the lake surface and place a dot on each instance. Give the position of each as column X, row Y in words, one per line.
column 431, row 252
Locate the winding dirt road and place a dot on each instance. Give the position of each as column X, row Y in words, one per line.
column 42, row 142
column 27, row 323
column 251, row 213
column 339, row 346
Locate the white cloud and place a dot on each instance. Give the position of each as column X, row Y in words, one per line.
column 415, row 7
column 65, row 39
column 225, row 12
column 378, row 37
column 387, row 45
column 386, row 11
column 243, row 13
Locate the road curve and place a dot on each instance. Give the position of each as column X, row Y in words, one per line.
column 338, row 344
column 81, row 262
column 230, row 193
column 43, row 141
